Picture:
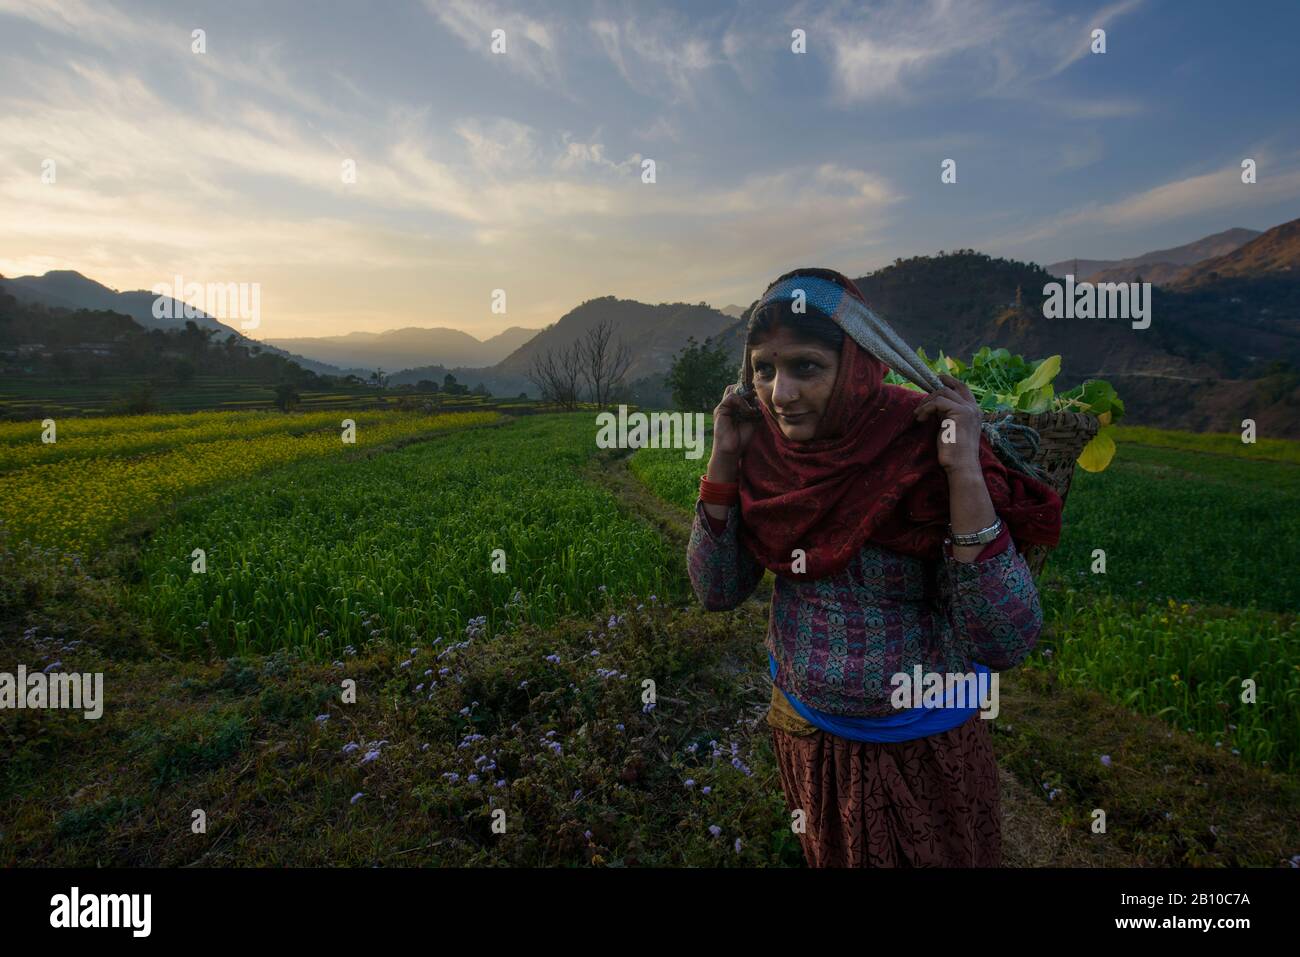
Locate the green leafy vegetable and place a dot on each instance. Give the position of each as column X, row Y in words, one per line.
column 1000, row 381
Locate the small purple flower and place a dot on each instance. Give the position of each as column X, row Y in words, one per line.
column 406, row 663
column 322, row 718
column 372, row 755
column 715, row 830
column 51, row 666
column 587, row 835
column 706, row 789
column 350, row 747
column 738, row 845
column 451, row 776
column 358, row 796
column 1105, row 759
column 690, row 782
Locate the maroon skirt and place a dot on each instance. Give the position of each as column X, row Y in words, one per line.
column 931, row 802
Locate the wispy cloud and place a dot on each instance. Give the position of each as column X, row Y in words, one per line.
column 904, row 49
column 663, row 57
column 476, row 171
column 531, row 45
column 1180, row 199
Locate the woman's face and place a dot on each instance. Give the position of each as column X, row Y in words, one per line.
column 794, row 378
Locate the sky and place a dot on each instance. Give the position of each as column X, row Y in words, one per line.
column 523, row 170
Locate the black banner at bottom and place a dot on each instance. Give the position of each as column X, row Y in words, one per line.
column 210, row 907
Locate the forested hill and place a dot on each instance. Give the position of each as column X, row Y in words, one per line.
column 1211, row 356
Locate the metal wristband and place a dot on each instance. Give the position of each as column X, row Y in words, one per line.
column 982, row 537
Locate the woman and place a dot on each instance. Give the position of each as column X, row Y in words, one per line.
column 855, row 494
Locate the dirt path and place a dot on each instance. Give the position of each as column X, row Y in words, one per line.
column 1032, row 832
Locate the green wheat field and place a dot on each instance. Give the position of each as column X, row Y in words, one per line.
column 502, row 593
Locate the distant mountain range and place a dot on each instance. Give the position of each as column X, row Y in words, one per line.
column 1223, row 345
column 408, row 348
column 68, row 289
column 1159, row 267
column 655, row 334
column 1224, row 341
column 1271, row 255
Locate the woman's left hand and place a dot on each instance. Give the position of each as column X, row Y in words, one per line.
column 955, row 401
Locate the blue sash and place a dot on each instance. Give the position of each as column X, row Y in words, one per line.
column 905, row 725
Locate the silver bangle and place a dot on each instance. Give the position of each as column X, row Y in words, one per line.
column 982, row 537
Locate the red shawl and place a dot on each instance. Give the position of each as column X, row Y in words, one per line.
column 872, row 473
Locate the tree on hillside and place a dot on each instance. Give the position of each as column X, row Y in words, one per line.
column 286, row 397
column 699, row 375
column 194, row 339
column 603, row 364
column 556, row 373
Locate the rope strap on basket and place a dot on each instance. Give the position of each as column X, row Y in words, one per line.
column 997, row 433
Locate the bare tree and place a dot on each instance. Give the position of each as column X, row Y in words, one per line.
column 555, row 373
column 603, row 364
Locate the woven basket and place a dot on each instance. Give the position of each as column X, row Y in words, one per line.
column 1061, row 437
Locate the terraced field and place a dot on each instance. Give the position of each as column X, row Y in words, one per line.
column 510, row 607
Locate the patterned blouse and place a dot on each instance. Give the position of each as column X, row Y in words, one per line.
column 838, row 640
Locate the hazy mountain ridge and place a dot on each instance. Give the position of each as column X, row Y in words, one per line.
column 1196, row 367
column 409, row 347
column 69, row 289
column 1217, row 349
column 1272, row 254
column 1159, row 266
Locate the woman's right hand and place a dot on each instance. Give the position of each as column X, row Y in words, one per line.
column 731, row 431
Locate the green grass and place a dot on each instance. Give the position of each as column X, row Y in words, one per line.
column 401, row 547
column 560, row 714
column 215, row 724
column 1185, row 525
column 1220, row 443
column 1189, row 663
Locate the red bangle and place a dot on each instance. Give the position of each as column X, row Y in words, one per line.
column 719, row 493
